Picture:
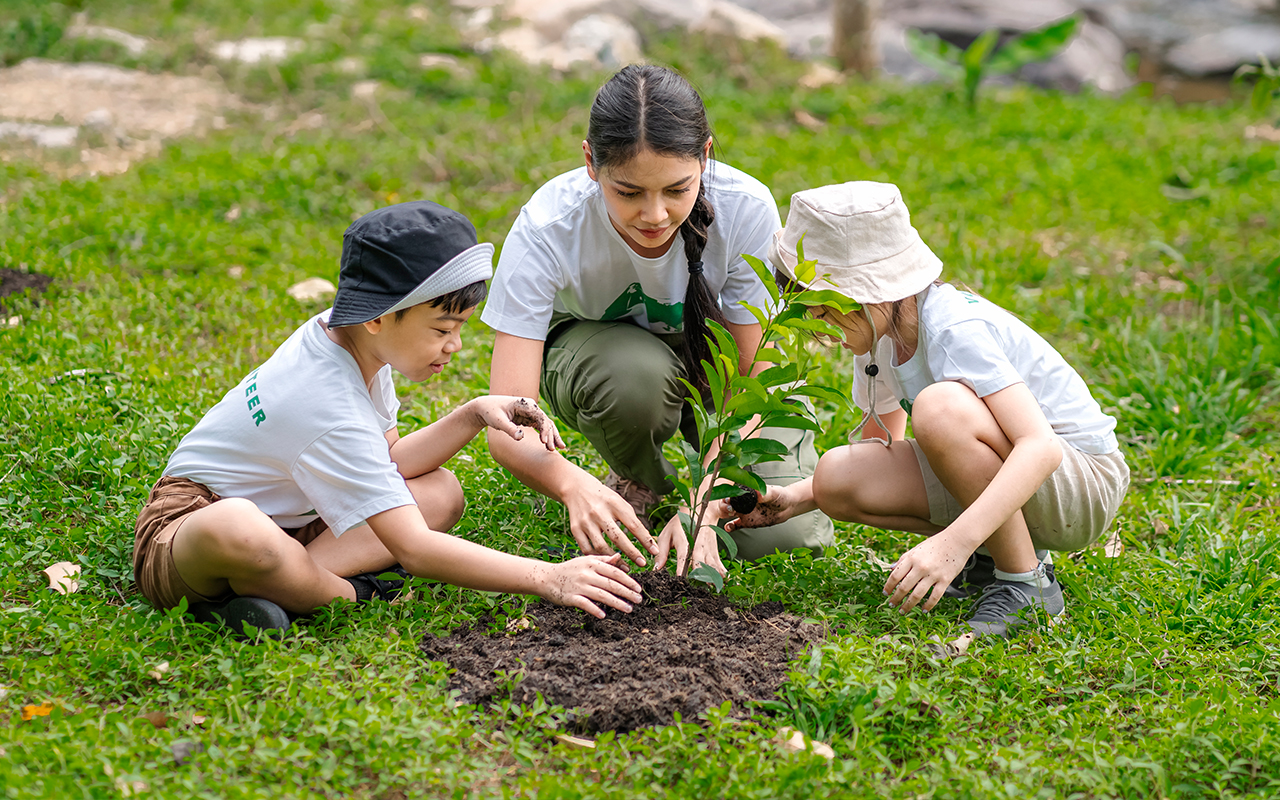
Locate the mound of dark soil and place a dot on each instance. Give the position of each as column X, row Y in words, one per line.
column 683, row 649
column 13, row 281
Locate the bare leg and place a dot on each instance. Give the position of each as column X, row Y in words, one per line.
column 874, row 485
column 440, row 499
column 233, row 545
column 966, row 448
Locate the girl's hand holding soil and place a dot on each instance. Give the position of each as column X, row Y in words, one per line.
column 584, row 581
column 775, row 506
column 930, row 565
column 511, row 414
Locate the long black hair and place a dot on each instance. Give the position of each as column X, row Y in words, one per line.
column 645, row 107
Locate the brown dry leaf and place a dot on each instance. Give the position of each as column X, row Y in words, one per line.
column 791, row 740
column 31, row 712
column 62, row 577
column 517, row 625
column 574, row 741
column 158, row 719
column 1113, row 547
column 159, row 670
column 198, row 719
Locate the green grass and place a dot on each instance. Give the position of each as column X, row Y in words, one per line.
column 1065, row 209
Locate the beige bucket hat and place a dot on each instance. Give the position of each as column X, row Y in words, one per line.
column 861, row 236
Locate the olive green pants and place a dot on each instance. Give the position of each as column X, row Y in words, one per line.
column 618, row 385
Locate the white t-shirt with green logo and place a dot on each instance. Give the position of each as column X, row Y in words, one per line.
column 301, row 436
column 564, row 257
column 968, row 339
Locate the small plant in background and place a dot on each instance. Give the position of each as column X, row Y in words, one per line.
column 1266, row 83
column 769, row 399
column 985, row 56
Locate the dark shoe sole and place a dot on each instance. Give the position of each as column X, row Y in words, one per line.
column 269, row 618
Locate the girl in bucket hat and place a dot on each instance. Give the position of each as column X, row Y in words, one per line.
column 1012, row 456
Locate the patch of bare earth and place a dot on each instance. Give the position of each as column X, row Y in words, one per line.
column 682, row 650
column 119, row 115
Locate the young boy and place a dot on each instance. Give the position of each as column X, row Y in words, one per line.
column 296, row 489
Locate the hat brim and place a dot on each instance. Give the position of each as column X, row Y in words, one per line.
column 917, row 261
column 353, row 306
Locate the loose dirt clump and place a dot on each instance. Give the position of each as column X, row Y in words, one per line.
column 13, row 281
column 683, row 649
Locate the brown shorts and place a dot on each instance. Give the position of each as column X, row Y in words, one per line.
column 172, row 500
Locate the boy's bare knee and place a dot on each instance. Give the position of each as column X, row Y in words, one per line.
column 439, row 497
column 235, row 531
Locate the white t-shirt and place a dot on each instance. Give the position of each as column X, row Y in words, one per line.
column 564, row 256
column 968, row 339
column 301, row 437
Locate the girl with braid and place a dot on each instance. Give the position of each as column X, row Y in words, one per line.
column 601, row 300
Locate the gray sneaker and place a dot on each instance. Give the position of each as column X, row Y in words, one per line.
column 641, row 498
column 979, row 572
column 1006, row 605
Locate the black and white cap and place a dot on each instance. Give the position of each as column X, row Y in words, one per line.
column 403, row 255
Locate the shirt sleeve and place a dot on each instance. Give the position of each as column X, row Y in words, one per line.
column 348, row 476
column 971, row 352
column 743, row 285
column 522, row 293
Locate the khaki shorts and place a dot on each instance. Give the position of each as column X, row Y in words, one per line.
column 172, row 500
column 1071, row 509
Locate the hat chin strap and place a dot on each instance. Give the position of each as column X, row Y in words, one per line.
column 872, row 370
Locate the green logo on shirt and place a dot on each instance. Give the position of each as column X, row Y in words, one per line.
column 251, row 392
column 633, row 299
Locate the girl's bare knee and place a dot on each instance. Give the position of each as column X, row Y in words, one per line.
column 945, row 411
column 835, row 485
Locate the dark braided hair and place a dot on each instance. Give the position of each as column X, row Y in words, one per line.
column 655, row 108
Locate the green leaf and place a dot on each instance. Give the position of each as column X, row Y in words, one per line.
column 806, row 271
column 723, row 491
column 726, row 538
column 836, row 396
column 765, row 275
column 975, row 55
column 797, row 422
column 1040, row 44
column 812, row 298
column 739, row 475
column 761, row 444
column 779, row 375
column 706, row 574
column 940, row 56
column 818, row 326
column 725, row 344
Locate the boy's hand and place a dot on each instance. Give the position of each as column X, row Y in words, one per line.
column 774, row 507
column 512, row 414
column 586, row 580
column 930, row 565
column 706, row 547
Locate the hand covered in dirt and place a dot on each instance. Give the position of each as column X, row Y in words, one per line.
column 706, row 547
column 512, row 414
column 599, row 517
column 926, row 569
column 587, row 580
column 774, row 507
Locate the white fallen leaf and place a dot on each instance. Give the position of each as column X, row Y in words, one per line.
column 574, row 741
column 62, row 577
column 311, row 289
column 159, row 670
column 4, row 692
